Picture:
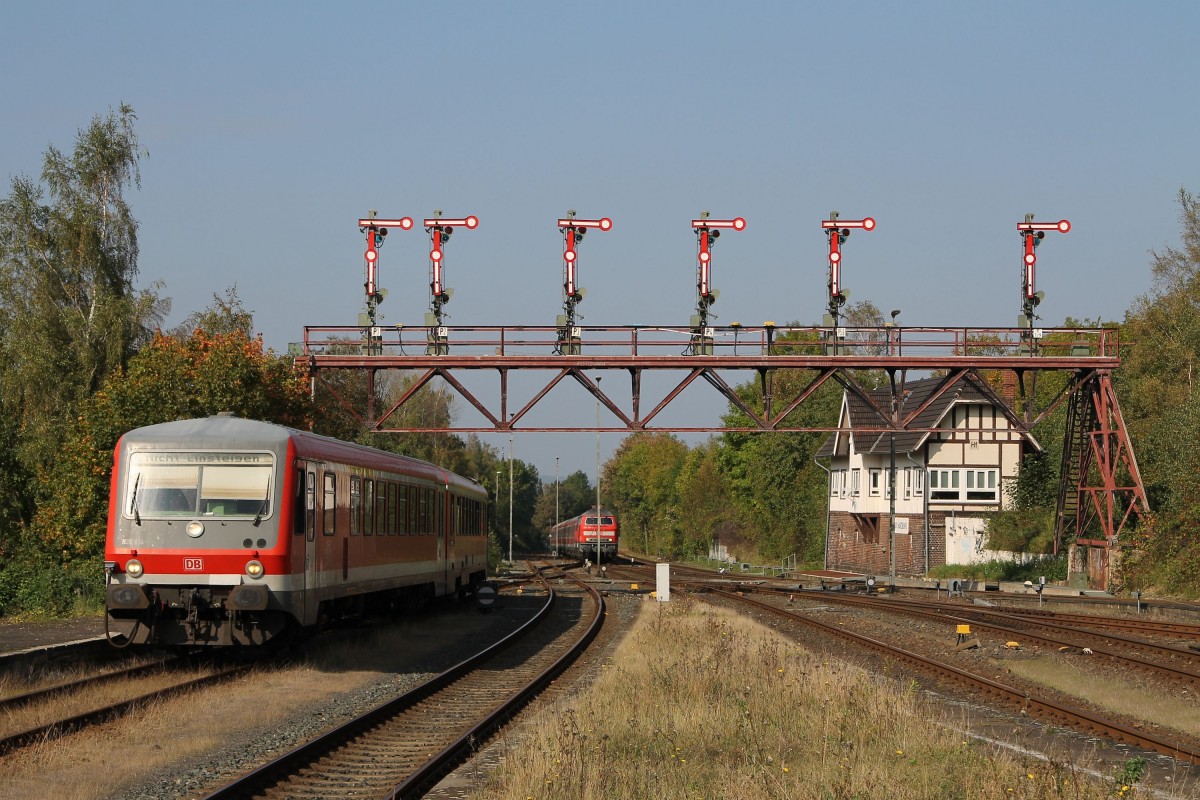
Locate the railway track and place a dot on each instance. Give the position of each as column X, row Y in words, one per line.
column 1022, row 699
column 105, row 713
column 398, row 749
column 1046, row 709
column 1054, row 634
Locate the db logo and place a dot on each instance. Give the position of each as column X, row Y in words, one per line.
column 193, row 565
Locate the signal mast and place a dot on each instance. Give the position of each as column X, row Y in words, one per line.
column 707, row 232
column 1032, row 234
column 837, row 231
column 439, row 230
column 376, row 231
column 573, row 231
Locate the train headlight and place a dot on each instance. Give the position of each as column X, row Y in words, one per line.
column 254, row 568
column 195, row 528
column 134, row 568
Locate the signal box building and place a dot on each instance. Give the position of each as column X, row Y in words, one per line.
column 952, row 467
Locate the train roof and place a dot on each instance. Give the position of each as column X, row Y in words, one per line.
column 225, row 430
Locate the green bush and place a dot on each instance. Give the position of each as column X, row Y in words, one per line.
column 1054, row 568
column 34, row 586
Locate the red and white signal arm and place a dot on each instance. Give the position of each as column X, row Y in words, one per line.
column 370, row 226
column 866, row 224
column 439, row 228
column 702, row 228
column 1031, row 232
column 403, row 223
column 471, row 222
column 573, row 230
column 603, row 224
column 1062, row 226
column 737, row 223
column 832, row 226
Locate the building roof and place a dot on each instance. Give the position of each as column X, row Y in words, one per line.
column 872, row 412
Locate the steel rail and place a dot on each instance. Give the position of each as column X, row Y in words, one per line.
column 27, row 698
column 1057, row 712
column 277, row 771
column 110, row 712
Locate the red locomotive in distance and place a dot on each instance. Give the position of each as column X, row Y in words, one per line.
column 577, row 536
column 228, row 531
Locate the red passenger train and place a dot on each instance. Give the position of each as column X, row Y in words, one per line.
column 228, row 531
column 577, row 536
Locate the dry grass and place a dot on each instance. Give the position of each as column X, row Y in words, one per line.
column 176, row 733
column 1178, row 710
column 701, row 703
column 88, row 766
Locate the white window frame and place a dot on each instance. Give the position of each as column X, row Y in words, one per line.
column 964, row 485
column 873, row 483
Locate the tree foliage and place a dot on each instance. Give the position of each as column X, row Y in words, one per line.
column 1159, row 390
column 70, row 314
column 170, row 379
column 640, row 482
column 571, row 497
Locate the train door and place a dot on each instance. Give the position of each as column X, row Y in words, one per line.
column 450, row 505
column 438, row 514
column 311, row 603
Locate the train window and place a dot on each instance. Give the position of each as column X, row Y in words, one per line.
column 402, row 512
column 310, row 505
column 391, row 517
column 298, row 504
column 225, row 484
column 369, row 507
column 420, row 510
column 329, row 509
column 381, row 508
column 355, row 505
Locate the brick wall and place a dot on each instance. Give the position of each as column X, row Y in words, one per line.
column 856, row 551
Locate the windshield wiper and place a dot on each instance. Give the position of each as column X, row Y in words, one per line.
column 133, row 501
column 263, row 508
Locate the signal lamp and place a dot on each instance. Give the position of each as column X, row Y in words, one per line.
column 254, row 568
column 134, row 568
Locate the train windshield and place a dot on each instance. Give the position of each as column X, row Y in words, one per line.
column 603, row 521
column 160, row 484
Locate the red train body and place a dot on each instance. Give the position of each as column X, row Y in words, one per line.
column 577, row 536
column 227, row 531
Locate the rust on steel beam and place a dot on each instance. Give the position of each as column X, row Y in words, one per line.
column 1110, row 503
column 671, row 395
column 765, row 351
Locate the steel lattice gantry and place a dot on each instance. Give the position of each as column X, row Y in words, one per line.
column 1102, row 488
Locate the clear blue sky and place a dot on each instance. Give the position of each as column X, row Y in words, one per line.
column 271, row 127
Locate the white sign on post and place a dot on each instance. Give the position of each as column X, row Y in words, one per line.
column 663, row 589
